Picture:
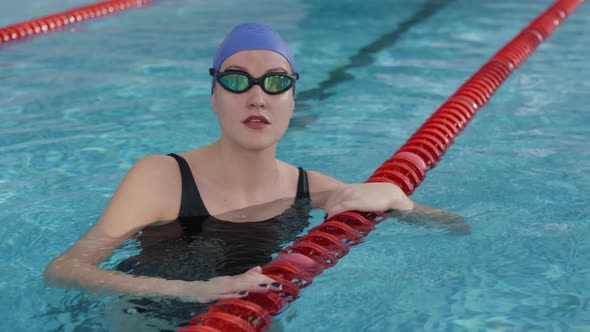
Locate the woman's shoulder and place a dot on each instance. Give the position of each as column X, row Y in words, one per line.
column 155, row 162
column 287, row 167
column 148, row 194
column 157, row 174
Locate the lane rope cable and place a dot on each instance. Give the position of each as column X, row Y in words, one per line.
column 322, row 247
column 59, row 21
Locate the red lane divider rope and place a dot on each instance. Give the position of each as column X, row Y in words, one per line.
column 297, row 265
column 57, row 21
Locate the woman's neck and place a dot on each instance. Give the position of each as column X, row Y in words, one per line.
column 245, row 170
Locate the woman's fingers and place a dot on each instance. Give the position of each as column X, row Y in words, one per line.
column 368, row 197
column 332, row 211
column 251, row 281
column 233, row 295
column 334, row 203
column 254, row 281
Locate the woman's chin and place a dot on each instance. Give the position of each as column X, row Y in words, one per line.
column 257, row 146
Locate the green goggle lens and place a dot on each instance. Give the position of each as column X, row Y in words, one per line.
column 277, row 83
column 271, row 83
column 234, row 82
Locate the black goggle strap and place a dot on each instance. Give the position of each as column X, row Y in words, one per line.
column 252, row 80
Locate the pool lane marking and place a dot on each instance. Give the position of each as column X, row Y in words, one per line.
column 362, row 58
column 59, row 21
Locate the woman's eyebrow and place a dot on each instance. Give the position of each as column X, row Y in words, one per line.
column 271, row 70
column 235, row 67
column 277, row 70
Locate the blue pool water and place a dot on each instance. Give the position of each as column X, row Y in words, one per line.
column 78, row 108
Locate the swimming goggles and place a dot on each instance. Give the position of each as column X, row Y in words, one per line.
column 237, row 81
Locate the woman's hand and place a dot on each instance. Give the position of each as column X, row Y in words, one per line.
column 367, row 197
column 230, row 287
column 434, row 218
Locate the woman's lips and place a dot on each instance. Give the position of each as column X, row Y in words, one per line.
column 256, row 122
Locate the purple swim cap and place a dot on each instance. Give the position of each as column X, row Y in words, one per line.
column 251, row 36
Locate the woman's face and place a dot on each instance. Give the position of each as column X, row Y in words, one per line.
column 254, row 119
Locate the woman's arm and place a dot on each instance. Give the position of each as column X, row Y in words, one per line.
column 77, row 268
column 427, row 216
column 335, row 197
column 149, row 194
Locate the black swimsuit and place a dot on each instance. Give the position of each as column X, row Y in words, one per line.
column 199, row 246
column 192, row 204
column 193, row 213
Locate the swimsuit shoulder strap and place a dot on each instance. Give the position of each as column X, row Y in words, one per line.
column 191, row 203
column 302, row 184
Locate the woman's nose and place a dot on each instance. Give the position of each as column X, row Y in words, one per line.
column 256, row 97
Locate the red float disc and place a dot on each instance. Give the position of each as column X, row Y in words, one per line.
column 342, row 231
column 271, row 302
column 248, row 311
column 448, row 133
column 450, row 114
column 313, row 251
column 425, row 145
column 452, row 128
column 403, row 167
column 288, row 271
column 413, row 160
column 289, row 291
column 463, row 104
column 326, row 240
column 198, row 328
column 222, row 321
column 435, row 133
